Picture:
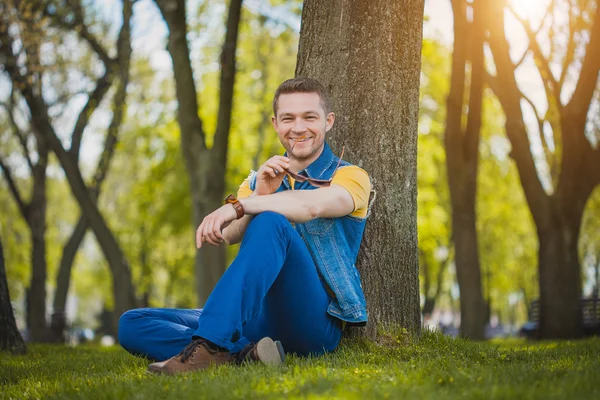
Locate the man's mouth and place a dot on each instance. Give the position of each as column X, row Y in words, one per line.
column 300, row 140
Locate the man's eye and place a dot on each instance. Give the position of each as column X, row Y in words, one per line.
column 311, row 117
column 286, row 119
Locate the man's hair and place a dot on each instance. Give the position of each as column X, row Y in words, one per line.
column 302, row 84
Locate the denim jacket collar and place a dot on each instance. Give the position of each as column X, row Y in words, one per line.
column 321, row 164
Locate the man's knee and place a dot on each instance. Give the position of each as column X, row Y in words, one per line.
column 272, row 219
column 128, row 327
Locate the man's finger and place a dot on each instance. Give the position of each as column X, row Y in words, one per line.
column 210, row 232
column 278, row 166
column 217, row 230
column 199, row 235
column 280, row 158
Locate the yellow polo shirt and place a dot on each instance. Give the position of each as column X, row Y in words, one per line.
column 352, row 178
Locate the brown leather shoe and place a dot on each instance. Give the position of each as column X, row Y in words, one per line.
column 265, row 350
column 199, row 354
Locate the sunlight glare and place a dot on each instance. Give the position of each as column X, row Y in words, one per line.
column 531, row 10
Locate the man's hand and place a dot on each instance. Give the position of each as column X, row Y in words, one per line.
column 271, row 174
column 210, row 229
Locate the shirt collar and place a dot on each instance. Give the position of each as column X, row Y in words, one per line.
column 321, row 164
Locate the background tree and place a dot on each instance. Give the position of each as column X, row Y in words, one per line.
column 206, row 167
column 462, row 155
column 47, row 15
column 10, row 337
column 121, row 70
column 557, row 194
column 33, row 212
column 355, row 48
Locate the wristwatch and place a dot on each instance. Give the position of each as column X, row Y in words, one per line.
column 239, row 208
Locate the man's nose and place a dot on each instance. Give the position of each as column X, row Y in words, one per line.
column 299, row 125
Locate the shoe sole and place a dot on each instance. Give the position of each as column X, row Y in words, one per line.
column 270, row 352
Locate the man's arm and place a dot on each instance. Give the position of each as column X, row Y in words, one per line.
column 295, row 205
column 303, row 205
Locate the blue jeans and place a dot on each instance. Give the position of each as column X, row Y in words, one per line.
column 272, row 289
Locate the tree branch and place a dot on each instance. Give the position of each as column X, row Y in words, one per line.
column 23, row 207
column 124, row 58
column 65, row 98
column 545, row 71
column 570, row 52
column 518, row 64
column 540, row 122
column 78, row 25
column 588, row 76
column 17, row 132
column 454, row 103
column 506, row 89
column 472, row 131
column 94, row 99
column 537, row 31
column 227, row 81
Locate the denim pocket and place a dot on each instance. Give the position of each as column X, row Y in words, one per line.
column 319, row 226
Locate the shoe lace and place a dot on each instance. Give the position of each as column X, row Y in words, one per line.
column 187, row 352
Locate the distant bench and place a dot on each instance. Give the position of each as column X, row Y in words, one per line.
column 590, row 310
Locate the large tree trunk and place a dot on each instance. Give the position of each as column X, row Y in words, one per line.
column 368, row 54
column 206, row 168
column 558, row 215
column 36, row 304
column 560, row 282
column 10, row 337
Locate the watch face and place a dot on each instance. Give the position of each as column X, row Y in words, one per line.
column 230, row 199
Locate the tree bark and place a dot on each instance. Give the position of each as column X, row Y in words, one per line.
column 367, row 53
column 206, row 168
column 557, row 215
column 10, row 337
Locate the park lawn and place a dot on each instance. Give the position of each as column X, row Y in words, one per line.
column 431, row 367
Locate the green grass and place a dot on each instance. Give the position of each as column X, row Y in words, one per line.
column 433, row 367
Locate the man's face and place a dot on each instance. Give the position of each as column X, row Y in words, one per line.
column 302, row 115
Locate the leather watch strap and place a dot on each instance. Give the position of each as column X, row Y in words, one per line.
column 239, row 208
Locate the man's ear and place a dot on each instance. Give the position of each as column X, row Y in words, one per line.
column 274, row 122
column 330, row 121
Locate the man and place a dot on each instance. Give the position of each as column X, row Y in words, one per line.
column 300, row 219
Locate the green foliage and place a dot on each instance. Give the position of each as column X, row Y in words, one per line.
column 16, row 243
column 589, row 244
column 433, row 216
column 432, row 367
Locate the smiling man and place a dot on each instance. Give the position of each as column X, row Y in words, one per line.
column 293, row 284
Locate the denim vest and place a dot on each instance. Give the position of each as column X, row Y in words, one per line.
column 333, row 244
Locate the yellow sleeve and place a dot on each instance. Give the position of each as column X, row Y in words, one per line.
column 356, row 181
column 244, row 189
